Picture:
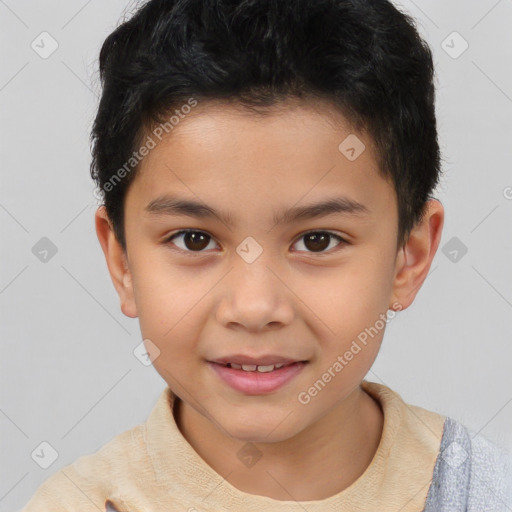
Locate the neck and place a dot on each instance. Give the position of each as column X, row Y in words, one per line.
column 339, row 446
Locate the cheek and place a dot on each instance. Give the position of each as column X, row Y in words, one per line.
column 165, row 295
column 353, row 307
column 353, row 296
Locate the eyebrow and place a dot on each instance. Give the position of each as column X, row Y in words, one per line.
column 175, row 206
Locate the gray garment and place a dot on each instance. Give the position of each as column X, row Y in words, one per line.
column 471, row 474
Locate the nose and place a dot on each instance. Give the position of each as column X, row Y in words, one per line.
column 254, row 297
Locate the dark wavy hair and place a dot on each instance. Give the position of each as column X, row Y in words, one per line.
column 365, row 57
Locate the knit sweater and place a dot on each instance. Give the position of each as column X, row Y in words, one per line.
column 424, row 462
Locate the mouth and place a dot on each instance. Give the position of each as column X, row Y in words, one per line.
column 254, row 379
column 261, row 368
column 253, row 362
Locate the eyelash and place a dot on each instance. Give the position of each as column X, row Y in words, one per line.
column 199, row 253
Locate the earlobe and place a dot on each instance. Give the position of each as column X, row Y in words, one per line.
column 415, row 258
column 117, row 262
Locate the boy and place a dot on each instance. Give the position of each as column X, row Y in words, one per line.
column 233, row 135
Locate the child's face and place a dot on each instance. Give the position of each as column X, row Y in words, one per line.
column 201, row 299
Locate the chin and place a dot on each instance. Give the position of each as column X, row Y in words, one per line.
column 262, row 431
column 260, row 436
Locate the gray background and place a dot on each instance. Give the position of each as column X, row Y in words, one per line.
column 68, row 373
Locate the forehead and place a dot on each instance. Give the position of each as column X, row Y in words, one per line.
column 226, row 156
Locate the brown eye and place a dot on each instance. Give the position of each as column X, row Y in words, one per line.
column 192, row 241
column 318, row 241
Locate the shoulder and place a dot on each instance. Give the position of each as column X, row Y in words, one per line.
column 491, row 475
column 472, row 473
column 86, row 483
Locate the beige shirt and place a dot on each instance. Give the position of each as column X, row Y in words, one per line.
column 152, row 467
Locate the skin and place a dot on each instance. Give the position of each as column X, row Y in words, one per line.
column 291, row 300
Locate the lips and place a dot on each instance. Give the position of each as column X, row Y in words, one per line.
column 263, row 380
column 255, row 367
column 263, row 360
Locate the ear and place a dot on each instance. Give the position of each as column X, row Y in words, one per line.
column 414, row 259
column 117, row 262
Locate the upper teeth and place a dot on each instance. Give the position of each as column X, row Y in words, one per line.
column 254, row 367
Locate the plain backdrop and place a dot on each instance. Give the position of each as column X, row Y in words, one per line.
column 69, row 377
